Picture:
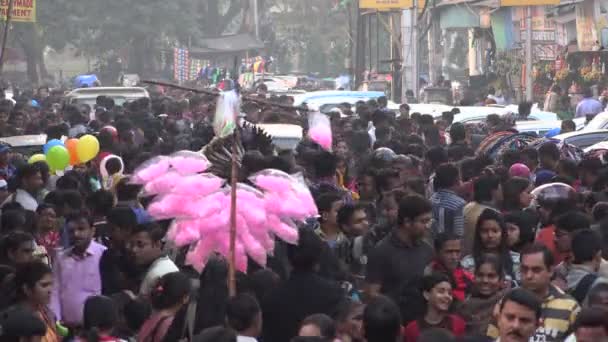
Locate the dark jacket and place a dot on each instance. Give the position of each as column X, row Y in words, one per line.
column 303, row 294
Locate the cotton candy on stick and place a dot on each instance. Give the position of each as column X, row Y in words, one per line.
column 199, row 255
column 320, row 130
column 188, row 162
column 283, row 230
column 150, row 170
column 163, row 184
column 198, row 185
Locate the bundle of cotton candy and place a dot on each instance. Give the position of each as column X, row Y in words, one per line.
column 188, row 162
column 150, row 170
column 319, row 130
column 286, row 196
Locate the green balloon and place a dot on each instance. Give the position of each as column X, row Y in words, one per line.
column 58, row 157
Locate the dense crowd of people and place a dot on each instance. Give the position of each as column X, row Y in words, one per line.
column 418, row 238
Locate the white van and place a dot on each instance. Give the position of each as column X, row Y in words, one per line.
column 120, row 95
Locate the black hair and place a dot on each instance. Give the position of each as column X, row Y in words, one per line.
column 325, row 201
column 113, row 165
column 153, row 229
column 72, row 199
column 572, row 221
column 11, row 220
column 346, row 213
column 170, row 290
column 381, row 320
column 537, row 248
column 511, row 190
column 125, row 191
column 123, row 217
column 44, row 206
column 218, row 333
column 305, row 255
column 326, row 324
column 101, row 202
column 241, row 311
column 530, row 153
column 569, row 124
column 483, row 188
column 442, row 238
column 436, row 156
column 457, row 152
column 525, row 223
column 592, row 318
column 524, row 108
column 524, row 298
column 569, row 167
column 586, row 244
column 325, row 164
column 382, row 179
column 431, row 135
column 549, row 150
column 510, row 157
column 99, row 314
column 28, row 274
column 412, row 206
column 431, row 280
column 591, row 164
column 493, row 260
column 78, row 216
column 136, row 313
column 26, row 171
column 12, row 241
column 446, row 176
column 503, row 249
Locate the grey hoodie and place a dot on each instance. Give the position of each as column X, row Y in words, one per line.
column 576, row 273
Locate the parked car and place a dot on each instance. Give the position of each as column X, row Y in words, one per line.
column 583, row 139
column 120, row 95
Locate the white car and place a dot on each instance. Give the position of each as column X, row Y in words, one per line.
column 600, row 121
column 583, row 139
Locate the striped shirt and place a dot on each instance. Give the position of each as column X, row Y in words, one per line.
column 559, row 312
column 448, row 213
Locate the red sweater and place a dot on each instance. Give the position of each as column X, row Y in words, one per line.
column 452, row 323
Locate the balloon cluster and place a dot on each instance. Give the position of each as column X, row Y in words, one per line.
column 199, row 204
column 58, row 154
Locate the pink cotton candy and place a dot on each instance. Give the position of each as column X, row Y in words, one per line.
column 198, row 185
column 150, row 170
column 170, row 206
column 189, row 166
column 187, row 232
column 272, row 183
column 199, row 255
column 162, row 184
column 284, row 231
column 322, row 136
column 253, row 248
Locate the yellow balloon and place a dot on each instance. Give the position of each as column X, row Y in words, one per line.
column 88, row 147
column 36, row 158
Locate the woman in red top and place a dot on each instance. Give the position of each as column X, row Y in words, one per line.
column 437, row 291
column 100, row 316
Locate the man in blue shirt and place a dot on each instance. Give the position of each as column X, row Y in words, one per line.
column 589, row 105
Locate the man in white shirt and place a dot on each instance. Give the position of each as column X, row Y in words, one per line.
column 146, row 246
column 244, row 315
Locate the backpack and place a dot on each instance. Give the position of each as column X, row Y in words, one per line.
column 579, row 292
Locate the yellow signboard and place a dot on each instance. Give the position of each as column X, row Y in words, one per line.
column 389, row 4
column 23, row 10
column 528, row 2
